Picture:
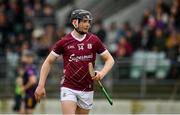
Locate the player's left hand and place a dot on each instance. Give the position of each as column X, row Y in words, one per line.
column 22, row 89
column 99, row 76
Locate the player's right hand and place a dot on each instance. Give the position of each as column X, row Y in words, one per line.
column 98, row 76
column 39, row 93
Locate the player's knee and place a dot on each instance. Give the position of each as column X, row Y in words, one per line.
column 68, row 107
column 80, row 111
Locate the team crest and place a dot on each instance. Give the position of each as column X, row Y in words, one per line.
column 89, row 46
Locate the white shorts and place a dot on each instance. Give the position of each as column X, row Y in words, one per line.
column 83, row 99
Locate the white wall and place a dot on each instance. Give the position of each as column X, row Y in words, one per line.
column 102, row 106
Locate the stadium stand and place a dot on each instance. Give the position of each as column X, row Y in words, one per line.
column 148, row 47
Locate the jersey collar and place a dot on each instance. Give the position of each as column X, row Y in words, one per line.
column 78, row 39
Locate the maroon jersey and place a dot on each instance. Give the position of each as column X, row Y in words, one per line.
column 77, row 53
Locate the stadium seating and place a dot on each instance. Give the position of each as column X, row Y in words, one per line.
column 149, row 62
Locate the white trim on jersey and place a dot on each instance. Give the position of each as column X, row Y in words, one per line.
column 54, row 53
column 103, row 52
column 78, row 39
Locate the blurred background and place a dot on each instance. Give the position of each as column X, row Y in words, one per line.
column 142, row 35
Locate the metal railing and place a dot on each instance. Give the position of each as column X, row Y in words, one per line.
column 121, row 82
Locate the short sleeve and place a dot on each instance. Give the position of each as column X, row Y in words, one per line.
column 58, row 48
column 31, row 72
column 100, row 47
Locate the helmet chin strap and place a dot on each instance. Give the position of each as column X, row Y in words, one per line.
column 80, row 32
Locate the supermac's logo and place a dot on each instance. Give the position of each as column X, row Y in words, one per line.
column 75, row 58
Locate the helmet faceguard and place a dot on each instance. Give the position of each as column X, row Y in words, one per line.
column 80, row 15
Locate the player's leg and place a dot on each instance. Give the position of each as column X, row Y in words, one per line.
column 68, row 107
column 82, row 111
column 22, row 107
column 29, row 111
column 68, row 101
column 84, row 102
column 30, row 104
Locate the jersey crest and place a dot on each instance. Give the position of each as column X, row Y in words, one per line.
column 89, row 46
